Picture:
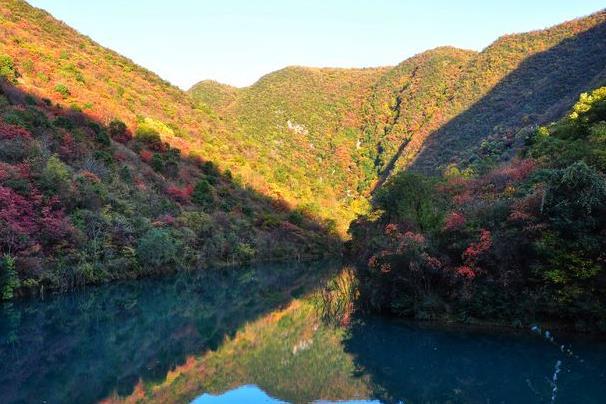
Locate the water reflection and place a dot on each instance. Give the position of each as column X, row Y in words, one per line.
column 416, row 363
column 124, row 339
column 83, row 346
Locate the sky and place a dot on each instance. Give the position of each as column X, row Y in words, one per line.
column 238, row 41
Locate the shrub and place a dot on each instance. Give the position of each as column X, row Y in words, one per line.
column 202, row 194
column 63, row 122
column 157, row 162
column 30, row 118
column 210, row 169
column 88, row 273
column 29, row 100
column 296, row 217
column 116, row 127
column 156, row 248
column 63, row 90
column 7, row 68
column 149, row 137
column 244, row 252
column 118, row 131
column 91, row 193
column 180, row 194
column 55, row 176
column 102, row 138
column 125, row 174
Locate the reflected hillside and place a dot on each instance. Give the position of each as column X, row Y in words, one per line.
column 291, row 355
column 86, row 345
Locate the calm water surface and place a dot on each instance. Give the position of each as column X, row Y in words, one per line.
column 103, row 342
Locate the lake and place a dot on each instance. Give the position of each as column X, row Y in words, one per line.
column 253, row 335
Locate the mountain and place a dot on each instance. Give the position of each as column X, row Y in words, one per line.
column 212, row 95
column 320, row 139
column 293, row 158
column 518, row 81
column 340, row 133
column 98, row 184
column 302, row 130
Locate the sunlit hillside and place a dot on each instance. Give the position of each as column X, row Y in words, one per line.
column 408, row 103
column 55, row 62
column 318, row 139
column 213, row 95
column 303, row 128
column 58, row 63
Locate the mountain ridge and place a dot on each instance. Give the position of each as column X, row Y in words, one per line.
column 315, row 143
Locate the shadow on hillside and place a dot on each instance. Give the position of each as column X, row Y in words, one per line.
column 83, row 346
column 283, row 232
column 540, row 90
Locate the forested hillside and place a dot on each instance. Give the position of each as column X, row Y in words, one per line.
column 338, row 134
column 524, row 242
column 319, row 139
column 303, row 126
column 446, row 102
column 274, row 170
column 57, row 63
column 85, row 202
column 212, row 95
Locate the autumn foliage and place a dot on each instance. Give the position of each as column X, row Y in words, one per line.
column 86, row 202
column 523, row 241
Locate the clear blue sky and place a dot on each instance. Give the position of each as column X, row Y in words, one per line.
column 237, row 41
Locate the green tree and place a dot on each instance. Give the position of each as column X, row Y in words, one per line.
column 116, row 127
column 156, row 248
column 202, row 194
column 7, row 68
column 9, row 280
column 411, row 197
column 63, row 90
column 56, row 176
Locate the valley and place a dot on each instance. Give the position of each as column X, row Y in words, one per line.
column 279, row 241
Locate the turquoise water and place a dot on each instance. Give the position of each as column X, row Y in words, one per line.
column 85, row 346
column 419, row 363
